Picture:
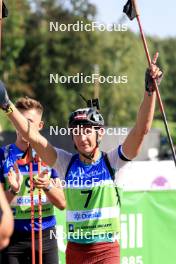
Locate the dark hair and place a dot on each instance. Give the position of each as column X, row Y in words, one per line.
column 26, row 103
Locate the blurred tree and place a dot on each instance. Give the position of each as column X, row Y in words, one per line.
column 64, row 53
column 13, row 42
column 122, row 56
column 31, row 52
column 83, row 9
column 167, row 50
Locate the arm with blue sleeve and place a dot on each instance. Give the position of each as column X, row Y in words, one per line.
column 11, row 192
column 9, row 195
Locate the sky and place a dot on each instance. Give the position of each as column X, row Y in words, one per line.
column 158, row 17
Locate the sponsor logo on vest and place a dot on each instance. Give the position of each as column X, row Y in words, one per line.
column 27, row 200
column 98, row 213
column 87, row 215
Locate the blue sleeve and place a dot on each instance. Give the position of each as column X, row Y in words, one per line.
column 121, row 154
column 54, row 174
column 2, row 180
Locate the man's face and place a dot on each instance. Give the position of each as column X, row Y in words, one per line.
column 85, row 141
column 34, row 118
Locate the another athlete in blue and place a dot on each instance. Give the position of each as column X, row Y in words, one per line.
column 14, row 177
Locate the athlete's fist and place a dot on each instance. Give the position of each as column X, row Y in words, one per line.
column 43, row 180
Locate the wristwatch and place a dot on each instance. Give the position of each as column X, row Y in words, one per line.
column 48, row 188
column 12, row 191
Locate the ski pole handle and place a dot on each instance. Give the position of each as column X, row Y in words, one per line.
column 134, row 3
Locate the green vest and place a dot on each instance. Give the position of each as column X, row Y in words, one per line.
column 92, row 211
column 21, row 204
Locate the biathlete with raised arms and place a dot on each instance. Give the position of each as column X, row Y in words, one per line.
column 15, row 179
column 93, row 205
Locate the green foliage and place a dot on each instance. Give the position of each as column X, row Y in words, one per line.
column 167, row 50
column 5, row 124
column 13, row 42
column 119, row 58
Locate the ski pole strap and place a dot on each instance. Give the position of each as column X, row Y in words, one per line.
column 7, row 109
column 149, row 82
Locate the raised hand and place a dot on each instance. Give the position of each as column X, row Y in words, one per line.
column 15, row 178
column 153, row 73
